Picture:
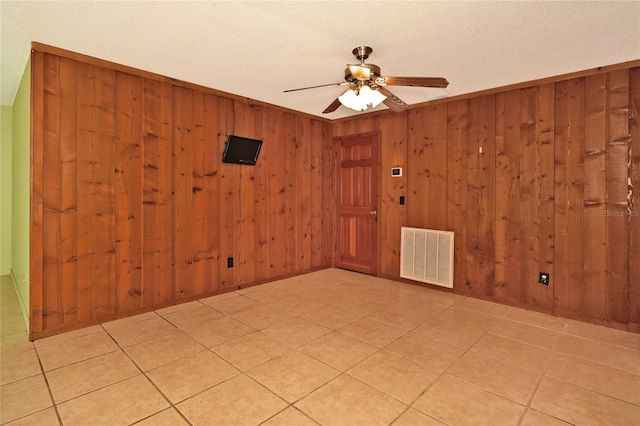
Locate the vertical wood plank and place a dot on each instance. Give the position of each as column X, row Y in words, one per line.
column 480, row 195
column 317, row 195
column 276, row 195
column 304, row 170
column 569, row 251
column 634, row 201
column 392, row 150
column 328, row 191
column 156, row 193
column 200, row 209
column 229, row 196
column 508, row 246
column 546, row 142
column 427, row 168
column 261, row 202
column 290, row 182
column 52, row 196
column 246, row 270
column 416, row 173
column 36, row 285
column 533, row 196
column 593, row 287
column 211, row 194
column 103, row 235
column 618, row 141
column 96, row 238
column 128, row 191
column 182, row 190
column 437, row 136
column 457, row 188
column 85, row 178
column 536, row 192
column 392, row 216
column 69, row 201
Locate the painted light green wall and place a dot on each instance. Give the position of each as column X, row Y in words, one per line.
column 5, row 189
column 20, row 178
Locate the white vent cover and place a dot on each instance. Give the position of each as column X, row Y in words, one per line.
column 426, row 255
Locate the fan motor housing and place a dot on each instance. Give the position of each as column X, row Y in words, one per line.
column 362, row 52
column 375, row 72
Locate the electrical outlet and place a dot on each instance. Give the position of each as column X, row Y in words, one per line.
column 544, row 278
column 229, row 262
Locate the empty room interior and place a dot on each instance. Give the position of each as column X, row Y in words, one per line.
column 320, row 213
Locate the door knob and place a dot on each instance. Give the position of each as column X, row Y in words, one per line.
column 373, row 212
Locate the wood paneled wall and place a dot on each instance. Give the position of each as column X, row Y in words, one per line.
column 132, row 208
column 543, row 177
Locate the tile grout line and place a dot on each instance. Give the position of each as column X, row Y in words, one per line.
column 143, row 373
column 468, row 350
column 46, row 380
column 572, row 355
column 425, row 390
column 293, row 349
column 540, row 379
column 240, row 373
column 444, row 372
column 121, row 350
column 340, row 373
column 527, row 407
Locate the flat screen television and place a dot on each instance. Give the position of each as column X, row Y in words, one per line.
column 239, row 150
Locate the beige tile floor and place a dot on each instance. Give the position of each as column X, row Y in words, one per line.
column 331, row 347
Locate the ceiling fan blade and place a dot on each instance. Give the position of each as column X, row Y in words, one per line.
column 334, row 106
column 393, row 102
column 416, row 81
column 359, row 72
column 315, row 87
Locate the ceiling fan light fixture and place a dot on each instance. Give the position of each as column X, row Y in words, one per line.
column 361, row 99
column 367, row 86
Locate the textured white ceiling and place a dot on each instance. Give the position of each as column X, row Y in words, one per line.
column 258, row 49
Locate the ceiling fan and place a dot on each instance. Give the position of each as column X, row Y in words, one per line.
column 367, row 88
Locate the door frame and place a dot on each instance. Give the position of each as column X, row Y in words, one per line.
column 376, row 137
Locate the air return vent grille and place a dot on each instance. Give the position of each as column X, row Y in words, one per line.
column 427, row 256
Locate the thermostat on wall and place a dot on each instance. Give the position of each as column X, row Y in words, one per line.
column 396, row 171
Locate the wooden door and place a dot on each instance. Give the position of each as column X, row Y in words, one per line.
column 357, row 202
